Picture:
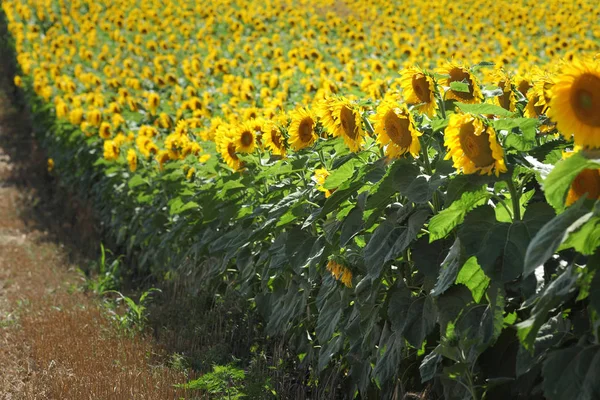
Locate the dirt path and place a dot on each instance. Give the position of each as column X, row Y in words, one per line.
column 56, row 342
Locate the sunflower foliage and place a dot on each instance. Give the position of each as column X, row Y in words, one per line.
column 434, row 229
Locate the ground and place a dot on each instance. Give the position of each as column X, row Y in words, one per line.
column 56, row 340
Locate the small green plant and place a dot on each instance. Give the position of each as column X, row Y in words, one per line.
column 136, row 315
column 224, row 382
column 107, row 275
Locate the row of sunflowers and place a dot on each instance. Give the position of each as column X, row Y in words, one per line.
column 406, row 192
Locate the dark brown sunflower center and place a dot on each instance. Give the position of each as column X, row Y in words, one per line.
column 246, row 138
column 305, row 129
column 476, row 148
column 460, row 75
column 504, row 99
column 231, row 151
column 398, row 129
column 421, row 87
column 275, row 138
column 585, row 99
column 349, row 123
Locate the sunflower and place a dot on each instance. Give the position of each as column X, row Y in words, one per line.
column 473, row 146
column 419, row 89
column 245, row 138
column 50, row 165
column 340, row 272
column 302, row 129
column 507, row 99
column 395, row 129
column 162, row 157
column 343, row 118
column 586, row 182
column 575, row 102
column 228, row 151
column 132, row 159
column 319, row 177
column 111, row 150
column 273, row 139
column 459, row 73
column 104, row 130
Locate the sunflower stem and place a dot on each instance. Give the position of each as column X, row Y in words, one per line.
column 514, row 196
column 429, row 170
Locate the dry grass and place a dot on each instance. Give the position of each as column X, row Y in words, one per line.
column 55, row 341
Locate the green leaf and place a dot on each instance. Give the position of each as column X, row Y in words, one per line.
column 550, row 297
column 472, row 276
column 558, row 182
column 389, row 240
column 400, row 301
column 328, row 317
column 572, row 373
column 460, row 87
column 449, row 269
column 428, row 257
column 429, row 366
column 584, row 234
column 446, row 220
column 351, row 226
column 525, row 139
column 500, row 247
column 545, row 243
column 484, row 109
column 136, row 181
column 420, row 320
column 341, row 175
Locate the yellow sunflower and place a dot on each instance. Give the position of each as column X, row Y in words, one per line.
column 132, row 159
column 507, row 99
column 228, row 151
column 319, row 177
column 459, row 73
column 472, row 146
column 340, row 272
column 418, row 88
column 245, row 138
column 586, row 182
column 575, row 102
column 395, row 129
column 273, row 139
column 302, row 129
column 344, row 119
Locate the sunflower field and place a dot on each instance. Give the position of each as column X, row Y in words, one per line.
column 407, row 192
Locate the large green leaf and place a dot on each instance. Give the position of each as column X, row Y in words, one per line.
column 328, row 317
column 390, row 239
column 472, row 276
column 446, row 220
column 545, row 243
column 484, row 109
column 572, row 373
column 550, row 297
column 500, row 248
column 449, row 268
column 558, row 182
column 420, row 320
column 341, row 175
column 352, row 225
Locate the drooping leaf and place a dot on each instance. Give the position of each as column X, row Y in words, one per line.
column 446, row 220
column 449, row 268
column 389, row 240
column 500, row 248
column 472, row 276
column 352, row 225
column 572, row 373
column 484, row 109
column 545, row 243
column 420, row 320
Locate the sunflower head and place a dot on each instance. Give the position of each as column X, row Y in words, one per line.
column 395, row 129
column 273, row 139
column 459, row 73
column 418, row 88
column 504, row 81
column 575, row 102
column 302, row 129
column 319, row 177
column 245, row 138
column 340, row 272
column 341, row 117
column 473, row 146
column 586, row 183
column 132, row 159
